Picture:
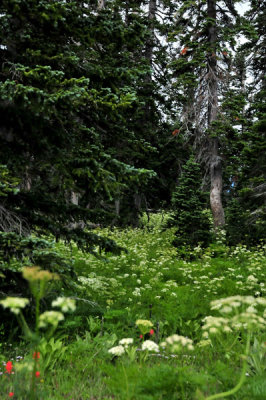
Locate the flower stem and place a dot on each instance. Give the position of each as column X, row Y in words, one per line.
column 33, row 378
column 242, row 376
column 37, row 314
column 128, row 398
column 32, row 387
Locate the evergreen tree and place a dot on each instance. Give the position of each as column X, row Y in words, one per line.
column 189, row 208
column 148, row 142
column 63, row 93
column 206, row 32
column 246, row 210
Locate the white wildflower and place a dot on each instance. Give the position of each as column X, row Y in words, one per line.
column 226, row 310
column 136, row 292
column 177, row 343
column 65, row 303
column 126, row 342
column 14, row 303
column 117, row 350
column 251, row 309
column 251, row 278
column 150, row 346
column 50, row 317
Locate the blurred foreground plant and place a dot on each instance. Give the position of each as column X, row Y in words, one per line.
column 39, row 281
column 242, row 317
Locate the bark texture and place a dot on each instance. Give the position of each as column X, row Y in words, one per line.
column 149, row 50
column 215, row 162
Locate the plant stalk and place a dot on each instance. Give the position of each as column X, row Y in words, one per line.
column 242, row 376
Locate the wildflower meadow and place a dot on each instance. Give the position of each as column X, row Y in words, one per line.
column 147, row 324
column 132, row 200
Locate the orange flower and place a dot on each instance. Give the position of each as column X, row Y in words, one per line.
column 175, row 132
column 184, row 51
column 9, row 367
column 36, row 355
column 225, row 53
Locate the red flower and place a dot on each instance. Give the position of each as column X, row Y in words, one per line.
column 11, row 394
column 36, row 354
column 184, row 51
column 9, row 367
column 151, row 332
column 141, row 336
column 37, row 374
column 175, row 132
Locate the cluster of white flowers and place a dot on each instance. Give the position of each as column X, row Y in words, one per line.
column 93, row 282
column 117, row 350
column 150, row 346
column 237, row 302
column 248, row 320
column 50, row 318
column 245, row 311
column 136, row 292
column 65, row 303
column 177, row 343
column 14, row 303
column 120, row 349
column 221, row 236
column 213, row 325
column 126, row 342
column 251, row 278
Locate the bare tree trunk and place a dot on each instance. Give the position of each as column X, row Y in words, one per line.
column 150, row 41
column 101, row 4
column 74, row 198
column 215, row 162
column 148, row 55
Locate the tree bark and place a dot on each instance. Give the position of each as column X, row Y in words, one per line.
column 215, row 162
column 150, row 41
column 101, row 4
column 149, row 49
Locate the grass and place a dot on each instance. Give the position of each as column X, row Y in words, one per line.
column 150, row 282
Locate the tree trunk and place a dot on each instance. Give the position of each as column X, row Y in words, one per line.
column 148, row 55
column 150, row 41
column 101, row 4
column 215, row 162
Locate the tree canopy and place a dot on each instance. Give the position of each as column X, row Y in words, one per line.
column 102, row 103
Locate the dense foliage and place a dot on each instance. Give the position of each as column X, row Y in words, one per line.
column 59, row 82
column 148, row 283
column 144, row 114
column 189, row 209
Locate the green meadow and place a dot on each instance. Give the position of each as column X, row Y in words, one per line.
column 147, row 325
